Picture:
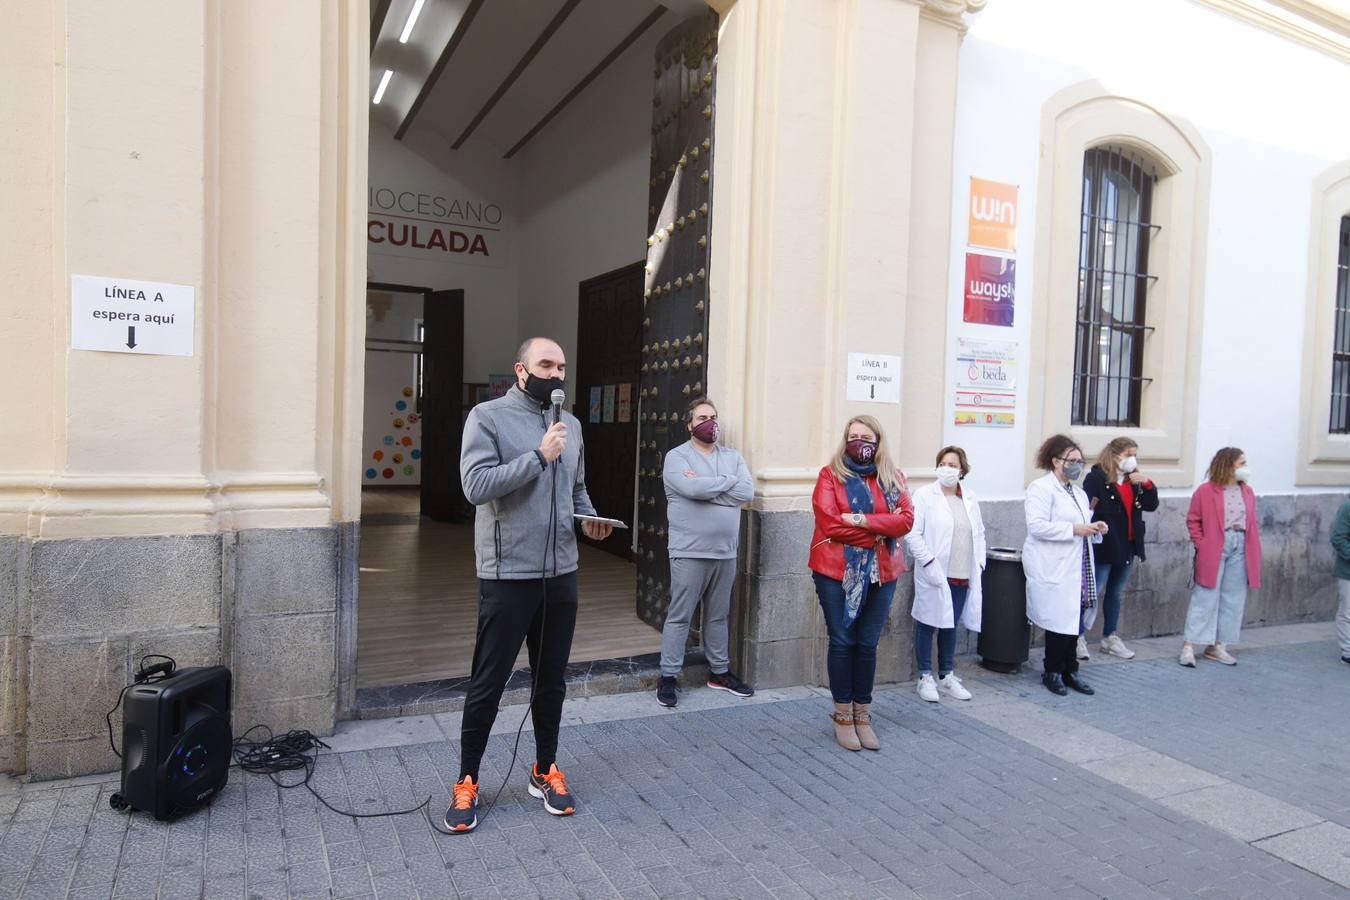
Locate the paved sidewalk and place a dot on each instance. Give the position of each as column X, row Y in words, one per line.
column 1168, row 783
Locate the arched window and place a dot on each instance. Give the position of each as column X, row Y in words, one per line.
column 1340, row 351
column 1324, row 413
column 1113, row 287
column 1118, row 282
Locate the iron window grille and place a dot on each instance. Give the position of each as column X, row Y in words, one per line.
column 1340, row 351
column 1113, row 286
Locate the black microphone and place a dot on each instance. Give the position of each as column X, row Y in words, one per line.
column 558, row 398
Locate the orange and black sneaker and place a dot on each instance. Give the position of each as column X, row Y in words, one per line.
column 462, row 816
column 551, row 787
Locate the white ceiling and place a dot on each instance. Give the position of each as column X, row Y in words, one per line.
column 498, row 38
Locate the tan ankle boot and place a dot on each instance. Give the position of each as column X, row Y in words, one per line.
column 862, row 724
column 844, row 732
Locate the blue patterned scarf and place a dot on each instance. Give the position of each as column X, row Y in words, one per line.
column 859, row 561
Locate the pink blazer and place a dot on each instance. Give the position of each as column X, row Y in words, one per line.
column 1204, row 520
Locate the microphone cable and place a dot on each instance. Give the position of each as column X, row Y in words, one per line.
column 295, row 751
column 534, row 668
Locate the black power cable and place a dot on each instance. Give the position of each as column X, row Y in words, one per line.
column 295, row 751
column 144, row 675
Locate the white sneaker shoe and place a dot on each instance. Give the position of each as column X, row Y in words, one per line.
column 1114, row 646
column 928, row 689
column 953, row 686
column 1219, row 653
column 1187, row 657
column 1082, row 648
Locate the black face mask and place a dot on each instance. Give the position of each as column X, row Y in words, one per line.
column 541, row 389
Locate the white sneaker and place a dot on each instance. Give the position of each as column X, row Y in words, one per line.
column 1219, row 653
column 1082, row 648
column 1187, row 657
column 952, row 685
column 1114, row 646
column 928, row 689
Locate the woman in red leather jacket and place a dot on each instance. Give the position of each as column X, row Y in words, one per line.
column 862, row 508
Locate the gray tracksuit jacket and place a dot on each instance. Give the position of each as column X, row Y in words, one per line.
column 506, row 479
column 704, row 511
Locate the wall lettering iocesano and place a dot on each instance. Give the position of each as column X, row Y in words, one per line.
column 405, row 222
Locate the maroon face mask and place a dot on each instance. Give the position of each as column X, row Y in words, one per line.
column 706, row 431
column 860, row 451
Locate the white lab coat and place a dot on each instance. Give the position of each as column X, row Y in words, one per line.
column 931, row 539
column 1052, row 555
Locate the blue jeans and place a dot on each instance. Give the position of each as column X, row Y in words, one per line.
column 946, row 637
column 1216, row 613
column 852, row 660
column 1111, row 581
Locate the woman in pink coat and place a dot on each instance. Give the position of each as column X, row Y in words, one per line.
column 1223, row 526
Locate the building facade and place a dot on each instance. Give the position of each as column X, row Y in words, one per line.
column 928, row 180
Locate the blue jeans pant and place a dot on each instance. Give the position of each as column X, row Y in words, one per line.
column 946, row 637
column 852, row 660
column 1216, row 613
column 1111, row 581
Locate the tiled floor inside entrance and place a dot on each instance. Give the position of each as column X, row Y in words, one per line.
column 417, row 605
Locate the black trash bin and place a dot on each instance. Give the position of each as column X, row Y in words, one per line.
column 1005, row 637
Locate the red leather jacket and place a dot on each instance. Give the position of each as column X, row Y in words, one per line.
column 829, row 501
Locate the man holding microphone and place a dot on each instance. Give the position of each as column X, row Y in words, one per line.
column 523, row 467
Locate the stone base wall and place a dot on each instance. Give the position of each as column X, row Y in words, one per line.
column 780, row 634
column 76, row 616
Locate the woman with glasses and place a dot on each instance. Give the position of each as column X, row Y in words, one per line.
column 1057, row 558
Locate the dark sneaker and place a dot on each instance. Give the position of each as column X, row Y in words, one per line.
column 665, row 691
column 1072, row 680
column 552, row 789
column 462, row 816
column 731, row 684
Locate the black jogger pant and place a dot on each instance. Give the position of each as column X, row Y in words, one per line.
column 1061, row 653
column 510, row 612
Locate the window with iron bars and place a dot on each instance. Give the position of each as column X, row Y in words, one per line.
column 1340, row 349
column 1113, row 286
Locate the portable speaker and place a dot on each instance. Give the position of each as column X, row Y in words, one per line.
column 176, row 742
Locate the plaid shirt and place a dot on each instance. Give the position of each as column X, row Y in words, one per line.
column 1089, row 595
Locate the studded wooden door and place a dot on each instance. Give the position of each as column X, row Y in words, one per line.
column 675, row 297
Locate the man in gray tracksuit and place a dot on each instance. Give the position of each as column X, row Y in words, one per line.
column 527, row 477
column 706, row 484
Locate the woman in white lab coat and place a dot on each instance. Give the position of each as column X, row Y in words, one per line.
column 947, row 544
column 1057, row 559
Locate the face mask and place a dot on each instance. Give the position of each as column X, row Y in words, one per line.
column 860, row 451
column 706, row 431
column 541, row 389
column 1243, row 474
column 1072, row 470
column 948, row 476
column 1129, row 464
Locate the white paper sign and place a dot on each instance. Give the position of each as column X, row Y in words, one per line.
column 874, row 377
column 119, row 315
column 986, row 365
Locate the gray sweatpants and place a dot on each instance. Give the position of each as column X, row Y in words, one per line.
column 693, row 581
column 1342, row 616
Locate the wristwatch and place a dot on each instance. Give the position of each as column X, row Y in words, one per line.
column 857, row 518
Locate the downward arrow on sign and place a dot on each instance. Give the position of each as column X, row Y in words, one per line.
column 131, row 336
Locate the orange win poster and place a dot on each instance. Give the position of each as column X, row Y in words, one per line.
column 993, row 215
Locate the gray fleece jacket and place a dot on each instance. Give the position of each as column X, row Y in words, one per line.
column 506, row 479
column 704, row 511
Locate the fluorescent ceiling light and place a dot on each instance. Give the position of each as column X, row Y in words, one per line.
column 384, row 83
column 412, row 20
